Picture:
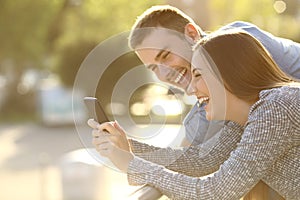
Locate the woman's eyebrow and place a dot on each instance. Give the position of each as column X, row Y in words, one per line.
column 195, row 69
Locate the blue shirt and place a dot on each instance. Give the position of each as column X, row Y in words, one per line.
column 286, row 54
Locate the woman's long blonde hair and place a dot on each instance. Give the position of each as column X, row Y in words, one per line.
column 245, row 66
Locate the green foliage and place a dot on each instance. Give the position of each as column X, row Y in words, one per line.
column 259, row 12
column 92, row 21
column 241, row 10
column 57, row 35
column 31, row 30
column 73, row 56
column 24, row 25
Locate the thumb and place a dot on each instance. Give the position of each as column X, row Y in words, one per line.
column 118, row 127
column 92, row 123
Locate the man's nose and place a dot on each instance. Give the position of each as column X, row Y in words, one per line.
column 164, row 71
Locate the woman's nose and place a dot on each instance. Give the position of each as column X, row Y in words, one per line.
column 191, row 89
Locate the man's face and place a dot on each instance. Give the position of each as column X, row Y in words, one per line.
column 168, row 55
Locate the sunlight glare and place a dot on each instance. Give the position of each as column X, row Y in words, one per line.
column 279, row 6
column 169, row 107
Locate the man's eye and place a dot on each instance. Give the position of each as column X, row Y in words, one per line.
column 166, row 55
column 152, row 67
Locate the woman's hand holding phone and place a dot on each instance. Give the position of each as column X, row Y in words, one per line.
column 110, row 141
column 111, row 130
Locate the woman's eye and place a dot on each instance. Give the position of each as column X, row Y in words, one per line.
column 197, row 75
column 196, row 72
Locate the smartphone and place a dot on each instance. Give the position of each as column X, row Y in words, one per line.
column 95, row 109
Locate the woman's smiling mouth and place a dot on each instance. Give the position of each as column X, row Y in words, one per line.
column 203, row 100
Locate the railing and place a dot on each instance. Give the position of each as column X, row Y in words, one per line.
column 145, row 192
column 260, row 192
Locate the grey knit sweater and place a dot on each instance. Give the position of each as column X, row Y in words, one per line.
column 267, row 148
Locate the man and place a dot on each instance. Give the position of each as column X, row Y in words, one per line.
column 155, row 48
column 163, row 37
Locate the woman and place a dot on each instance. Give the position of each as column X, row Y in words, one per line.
column 239, row 82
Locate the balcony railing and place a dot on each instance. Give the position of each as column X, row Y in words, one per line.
column 146, row 192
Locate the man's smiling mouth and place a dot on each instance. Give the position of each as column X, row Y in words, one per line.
column 180, row 75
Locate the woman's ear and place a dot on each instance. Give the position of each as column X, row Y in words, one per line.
column 191, row 33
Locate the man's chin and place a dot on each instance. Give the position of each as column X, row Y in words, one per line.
column 184, row 88
column 179, row 87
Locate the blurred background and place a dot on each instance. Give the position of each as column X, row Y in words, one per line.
column 42, row 46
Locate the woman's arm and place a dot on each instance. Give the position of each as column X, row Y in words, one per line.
column 206, row 158
column 263, row 142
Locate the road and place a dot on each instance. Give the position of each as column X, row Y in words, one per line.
column 36, row 164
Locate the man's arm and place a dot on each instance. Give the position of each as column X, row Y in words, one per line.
column 285, row 52
column 198, row 129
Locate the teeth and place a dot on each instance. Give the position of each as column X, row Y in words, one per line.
column 202, row 100
column 180, row 75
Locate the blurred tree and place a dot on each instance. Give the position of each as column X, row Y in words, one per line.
column 88, row 23
column 282, row 21
column 73, row 56
column 292, row 7
column 23, row 29
column 40, row 34
column 24, row 25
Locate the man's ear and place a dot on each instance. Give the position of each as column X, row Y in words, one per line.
column 191, row 32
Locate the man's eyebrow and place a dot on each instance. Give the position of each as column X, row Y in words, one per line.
column 159, row 54
column 151, row 66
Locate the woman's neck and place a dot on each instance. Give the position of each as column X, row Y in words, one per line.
column 239, row 110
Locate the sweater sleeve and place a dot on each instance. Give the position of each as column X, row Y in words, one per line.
column 140, row 147
column 264, row 140
column 206, row 157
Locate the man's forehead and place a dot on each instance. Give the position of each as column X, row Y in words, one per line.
column 198, row 60
column 148, row 55
column 165, row 39
column 159, row 38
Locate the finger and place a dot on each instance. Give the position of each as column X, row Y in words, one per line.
column 114, row 140
column 108, row 127
column 95, row 133
column 118, row 127
column 93, row 124
column 105, row 149
column 103, row 146
column 100, row 140
column 104, row 152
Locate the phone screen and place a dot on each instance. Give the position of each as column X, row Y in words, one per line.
column 95, row 109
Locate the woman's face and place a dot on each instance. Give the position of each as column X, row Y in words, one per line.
column 208, row 89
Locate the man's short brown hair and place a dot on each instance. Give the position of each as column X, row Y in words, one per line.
column 163, row 16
